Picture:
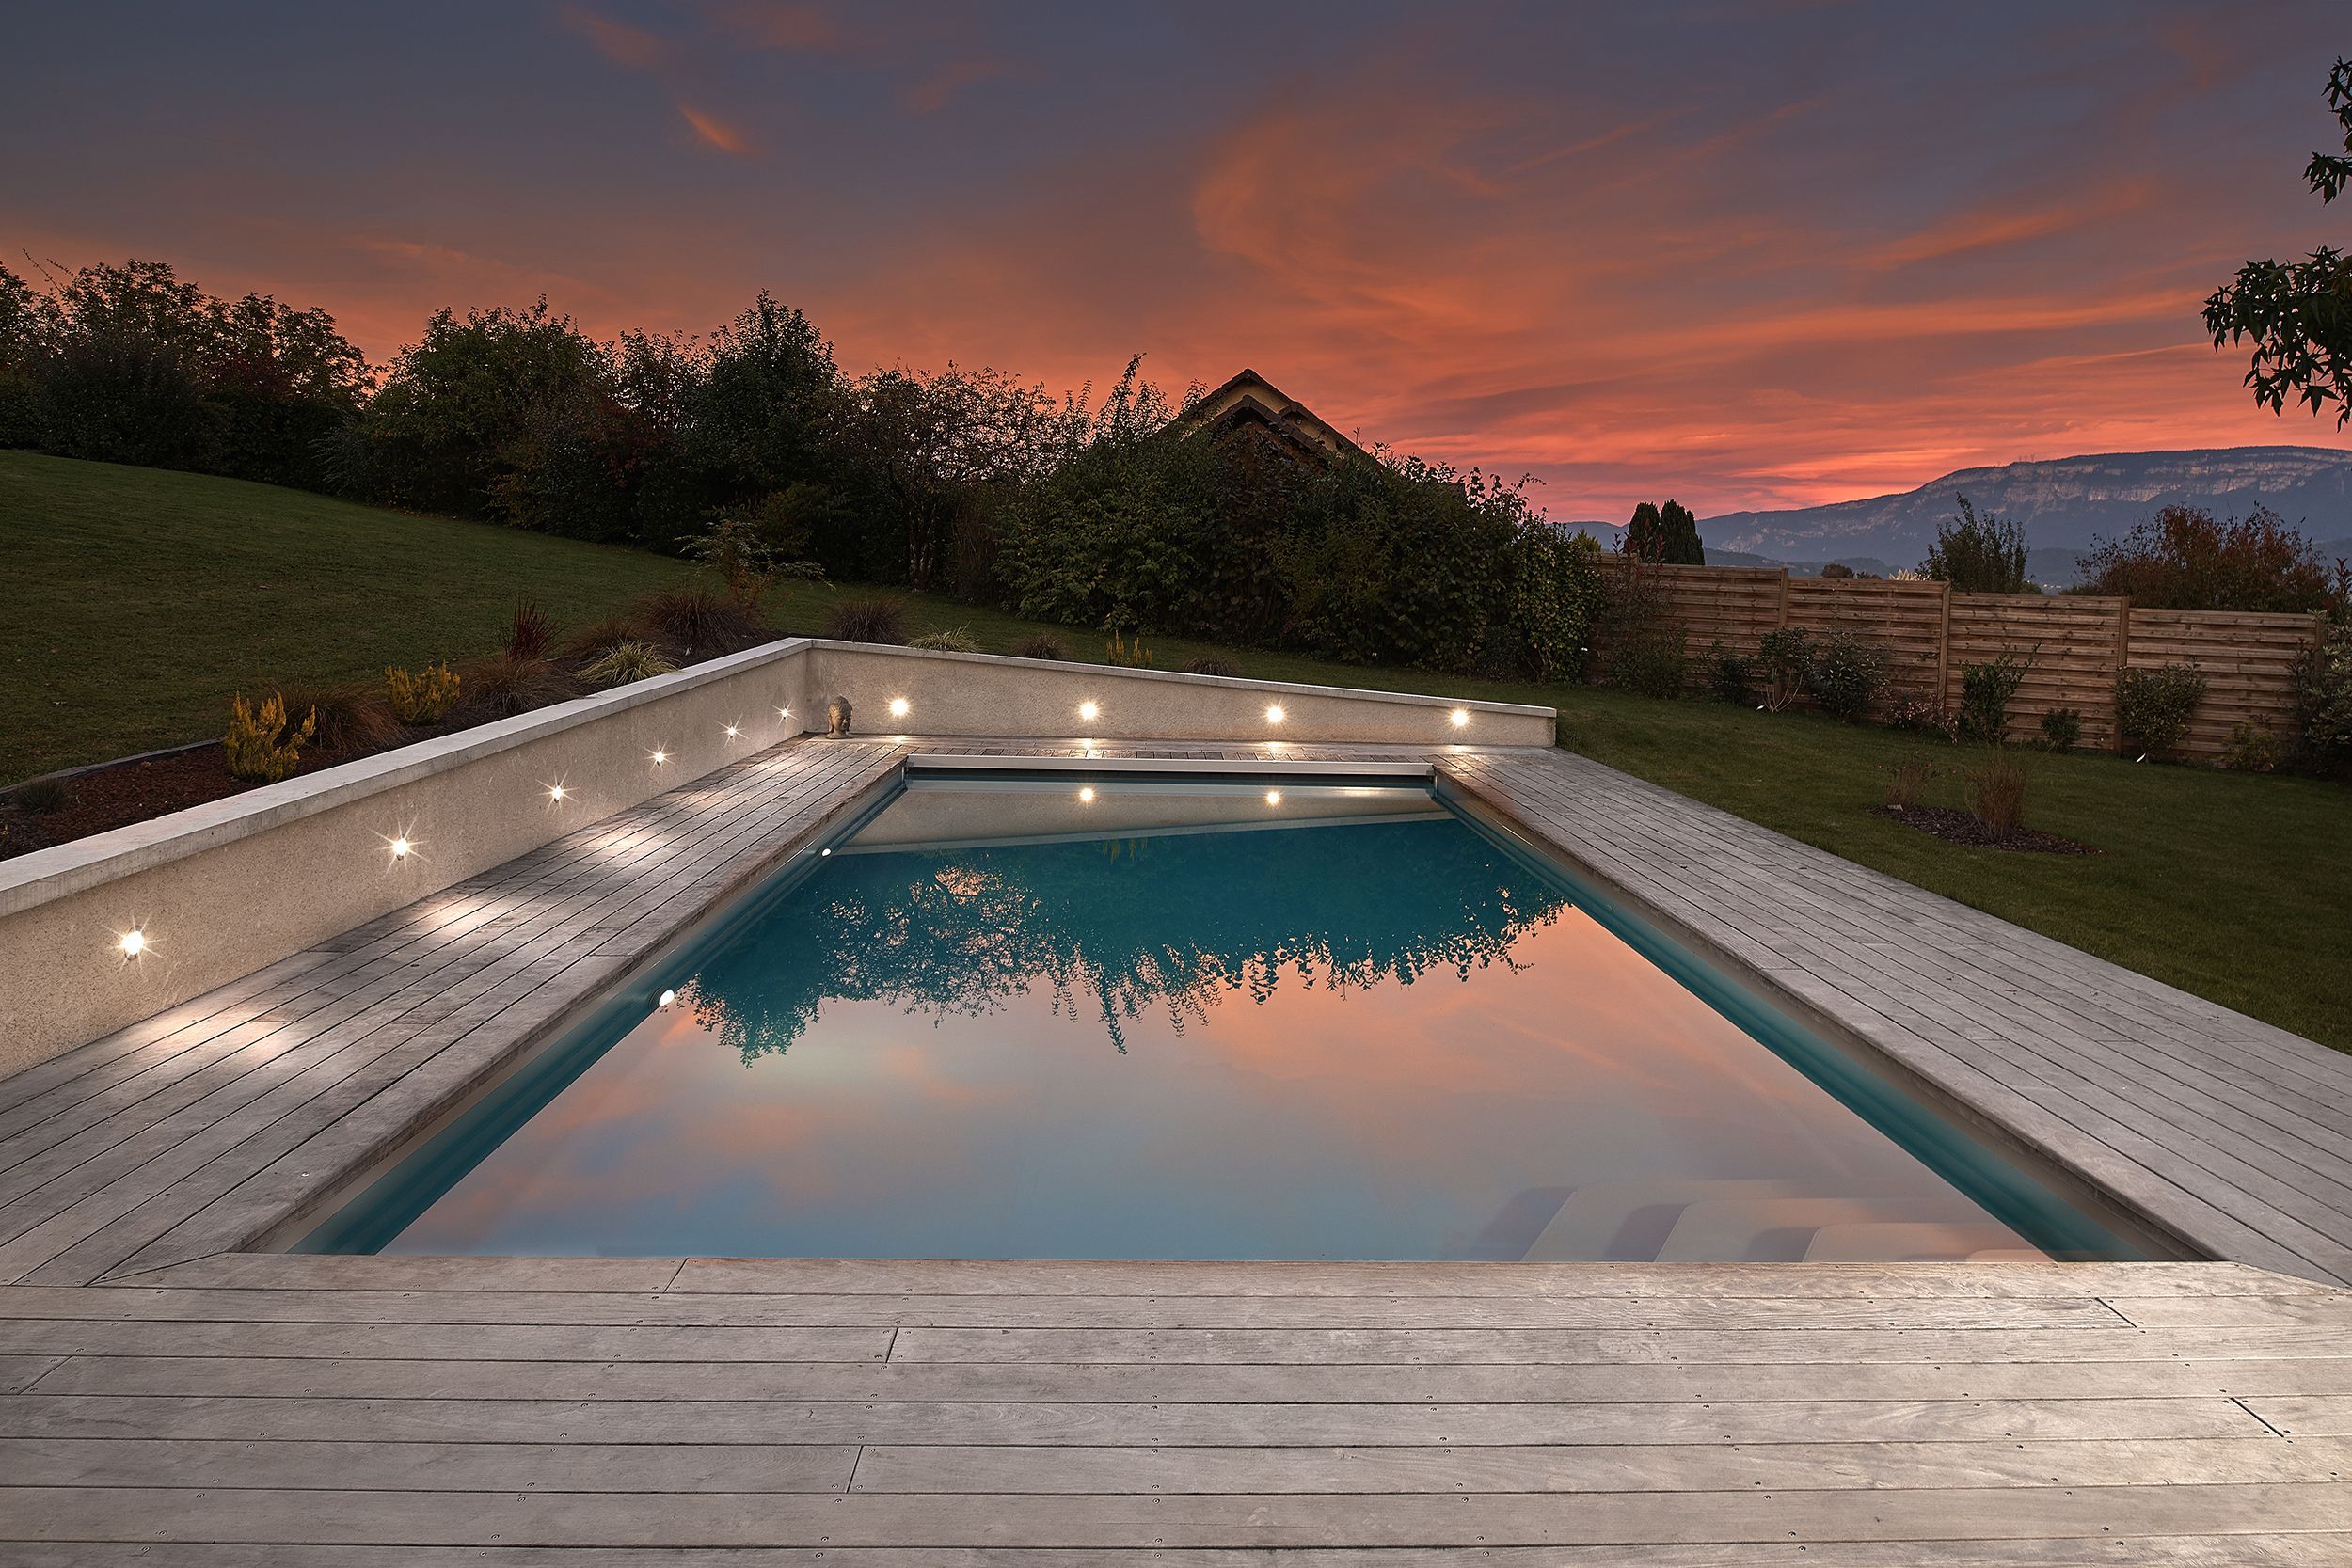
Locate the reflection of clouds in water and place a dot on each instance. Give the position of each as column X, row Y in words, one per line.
column 1118, row 929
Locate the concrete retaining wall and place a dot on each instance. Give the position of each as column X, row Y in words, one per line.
column 227, row 888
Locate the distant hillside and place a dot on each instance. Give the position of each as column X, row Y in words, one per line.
column 2062, row 503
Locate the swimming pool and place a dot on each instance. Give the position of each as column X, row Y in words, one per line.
column 1054, row 1015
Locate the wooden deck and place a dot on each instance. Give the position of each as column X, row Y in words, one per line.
column 161, row 1384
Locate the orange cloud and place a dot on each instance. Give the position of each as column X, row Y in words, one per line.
column 718, row 133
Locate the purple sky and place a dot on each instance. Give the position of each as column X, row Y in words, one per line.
column 1739, row 253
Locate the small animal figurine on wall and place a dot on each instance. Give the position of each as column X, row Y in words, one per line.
column 837, row 718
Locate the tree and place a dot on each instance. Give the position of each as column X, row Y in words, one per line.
column 2182, row 559
column 1664, row 535
column 1978, row 555
column 2299, row 314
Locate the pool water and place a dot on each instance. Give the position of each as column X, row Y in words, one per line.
column 1055, row 1017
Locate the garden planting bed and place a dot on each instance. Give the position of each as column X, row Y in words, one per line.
column 1955, row 826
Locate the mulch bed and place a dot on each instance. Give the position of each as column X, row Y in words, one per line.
column 1959, row 827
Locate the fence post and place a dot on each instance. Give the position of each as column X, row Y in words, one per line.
column 1943, row 652
column 2122, row 663
column 1780, row 614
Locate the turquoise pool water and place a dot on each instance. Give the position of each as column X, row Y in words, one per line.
column 1108, row 1017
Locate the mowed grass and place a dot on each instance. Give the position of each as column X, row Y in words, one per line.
column 138, row 600
column 153, row 596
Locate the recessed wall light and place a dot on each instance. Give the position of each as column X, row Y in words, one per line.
column 1461, row 718
column 1273, row 797
column 1086, row 795
column 1273, row 714
column 131, row 942
column 1089, row 711
column 899, row 708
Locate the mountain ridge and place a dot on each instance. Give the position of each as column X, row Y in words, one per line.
column 2061, row 502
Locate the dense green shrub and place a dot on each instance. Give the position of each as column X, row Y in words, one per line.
column 2061, row 729
column 1042, row 645
column 1845, row 675
column 2182, row 559
column 1978, row 555
column 1555, row 595
column 1730, row 675
column 1784, row 659
column 1920, row 714
column 2153, row 706
column 1654, row 662
column 1209, row 664
column 2322, row 685
column 2253, row 749
column 1986, row 689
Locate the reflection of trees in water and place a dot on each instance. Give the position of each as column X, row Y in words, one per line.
column 1115, row 928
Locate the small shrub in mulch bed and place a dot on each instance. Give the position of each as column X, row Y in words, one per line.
column 1959, row 827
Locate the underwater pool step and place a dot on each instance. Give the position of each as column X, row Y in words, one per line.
column 1756, row 1220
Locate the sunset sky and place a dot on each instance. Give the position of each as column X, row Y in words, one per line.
column 1744, row 254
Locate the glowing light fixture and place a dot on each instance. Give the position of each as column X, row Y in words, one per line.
column 784, row 713
column 823, row 854
column 1273, row 714
column 1089, row 712
column 1086, row 795
column 556, row 792
column 668, row 999
column 1273, row 797
column 658, row 755
column 899, row 708
column 1461, row 718
column 401, row 848
column 735, row 731
column 133, row 943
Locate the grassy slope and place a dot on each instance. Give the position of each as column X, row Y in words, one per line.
column 138, row 600
column 2227, row 885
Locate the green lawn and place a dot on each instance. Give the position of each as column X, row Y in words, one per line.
column 138, row 600
column 2231, row 886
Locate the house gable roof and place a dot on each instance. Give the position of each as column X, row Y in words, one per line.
column 1250, row 399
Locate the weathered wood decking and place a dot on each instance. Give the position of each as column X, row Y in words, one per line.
column 973, row 1413
column 159, row 1385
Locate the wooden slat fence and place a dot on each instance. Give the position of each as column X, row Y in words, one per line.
column 2077, row 645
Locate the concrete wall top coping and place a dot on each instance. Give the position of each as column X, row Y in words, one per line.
column 1237, row 683
column 1350, row 768
column 62, row 869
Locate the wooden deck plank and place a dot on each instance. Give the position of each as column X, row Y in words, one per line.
column 1001, row 1422
column 626, row 1519
column 1146, row 1383
column 2309, row 1550
column 1782, row 1467
column 1073, row 1311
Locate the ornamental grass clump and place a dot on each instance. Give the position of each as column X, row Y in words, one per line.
column 351, row 720
column 1997, row 793
column 624, row 662
column 953, row 640
column 423, row 696
column 260, row 746
column 1910, row 780
column 882, row 621
column 1041, row 645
